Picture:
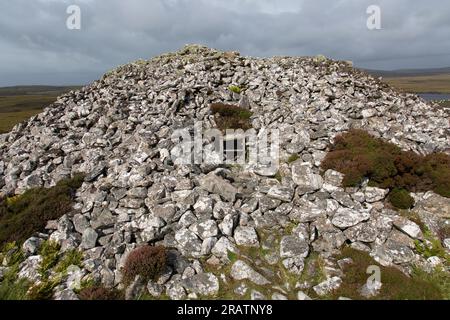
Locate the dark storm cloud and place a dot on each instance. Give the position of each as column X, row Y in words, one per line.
column 36, row 46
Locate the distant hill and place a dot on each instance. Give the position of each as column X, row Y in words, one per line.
column 408, row 72
column 35, row 90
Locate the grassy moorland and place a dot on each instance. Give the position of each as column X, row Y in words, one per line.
column 439, row 83
column 20, row 103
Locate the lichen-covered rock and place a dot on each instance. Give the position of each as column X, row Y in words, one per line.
column 373, row 194
column 408, row 227
column 246, row 236
column 305, row 178
column 203, row 284
column 242, row 271
column 89, row 238
column 345, row 218
column 29, row 269
column 283, row 193
column 328, row 286
column 189, row 243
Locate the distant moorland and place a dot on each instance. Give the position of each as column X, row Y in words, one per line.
column 22, row 102
column 421, row 84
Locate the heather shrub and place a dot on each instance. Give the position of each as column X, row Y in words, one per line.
column 231, row 117
column 22, row 216
column 359, row 155
column 401, row 199
column 146, row 261
column 99, row 293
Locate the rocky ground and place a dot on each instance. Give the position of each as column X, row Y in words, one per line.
column 231, row 232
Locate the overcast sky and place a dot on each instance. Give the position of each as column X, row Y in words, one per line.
column 37, row 48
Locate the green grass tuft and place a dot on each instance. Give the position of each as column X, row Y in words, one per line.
column 235, row 89
column 14, row 289
column 293, row 158
column 72, row 257
column 431, row 247
column 278, row 176
column 43, row 290
column 395, row 284
column 49, row 252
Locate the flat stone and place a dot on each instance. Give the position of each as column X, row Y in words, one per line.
column 89, row 239
column 102, row 219
column 302, row 296
column 292, row 246
column 328, row 286
column 222, row 247
column 345, row 217
column 203, row 284
column 373, row 194
column 185, row 197
column 364, row 232
column 395, row 252
column 283, row 193
column 408, row 227
column 242, row 271
column 80, row 223
column 206, row 229
column 435, row 204
column 166, row 211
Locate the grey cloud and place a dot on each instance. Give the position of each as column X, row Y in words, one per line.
column 34, row 39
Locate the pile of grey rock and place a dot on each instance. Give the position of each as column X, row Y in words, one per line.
column 118, row 132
